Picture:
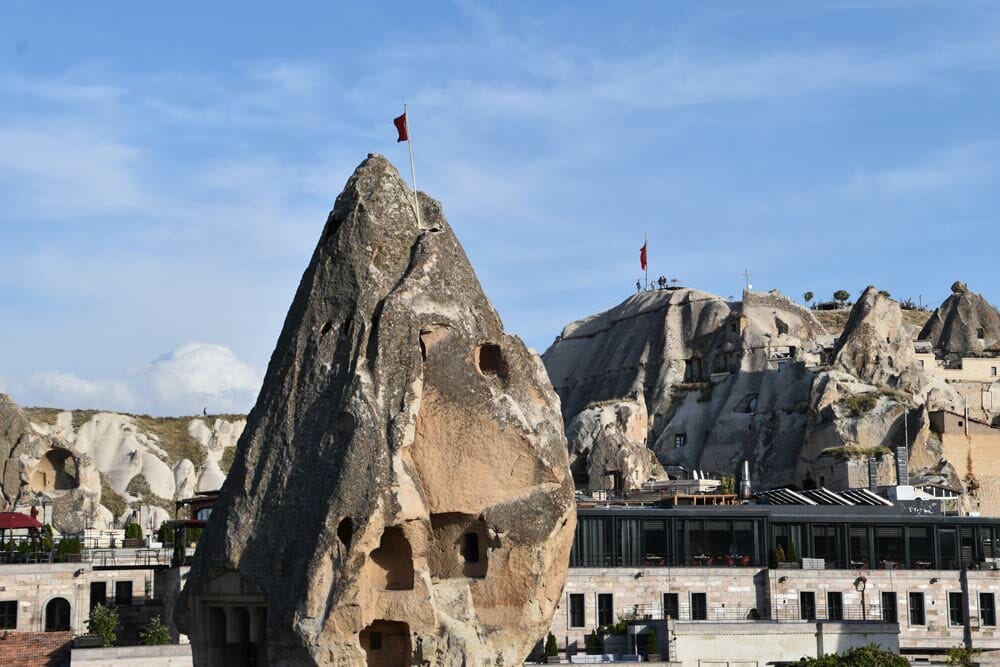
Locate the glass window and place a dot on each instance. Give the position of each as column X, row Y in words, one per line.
column 671, row 606
column 743, row 539
column 807, row 606
column 986, row 538
column 98, row 593
column 857, row 545
column 782, row 536
column 956, row 613
column 987, row 609
column 593, row 544
column 889, row 546
column 8, row 615
column 917, row 609
column 825, row 544
column 699, row 606
column 123, row 592
column 720, row 539
column 948, row 539
column 576, row 618
column 968, row 546
column 921, row 547
column 605, row 609
column 834, row 606
column 680, row 439
column 889, row 612
column 654, row 542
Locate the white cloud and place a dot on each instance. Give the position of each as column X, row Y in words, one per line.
column 184, row 381
column 67, row 390
column 197, row 375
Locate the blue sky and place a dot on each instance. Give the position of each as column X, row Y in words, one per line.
column 165, row 171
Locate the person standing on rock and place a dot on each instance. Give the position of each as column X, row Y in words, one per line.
column 638, row 286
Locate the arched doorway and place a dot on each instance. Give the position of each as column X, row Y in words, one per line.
column 57, row 615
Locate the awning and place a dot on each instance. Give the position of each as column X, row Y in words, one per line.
column 15, row 520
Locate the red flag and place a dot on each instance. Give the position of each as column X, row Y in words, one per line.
column 401, row 127
column 642, row 256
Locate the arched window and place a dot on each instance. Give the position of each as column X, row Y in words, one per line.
column 57, row 615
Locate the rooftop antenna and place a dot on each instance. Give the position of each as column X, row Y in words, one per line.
column 746, row 276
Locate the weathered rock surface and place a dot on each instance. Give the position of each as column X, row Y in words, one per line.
column 38, row 466
column 609, row 438
column 965, row 324
column 401, row 494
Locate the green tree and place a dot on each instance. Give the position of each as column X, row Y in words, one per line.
column 793, row 553
column 594, row 644
column 652, row 646
column 963, row 657
column 46, row 538
column 102, row 623
column 841, row 296
column 155, row 634
column 779, row 554
column 551, row 647
column 807, row 297
column 863, row 656
column 133, row 531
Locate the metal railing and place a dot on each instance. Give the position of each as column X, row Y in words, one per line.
column 789, row 612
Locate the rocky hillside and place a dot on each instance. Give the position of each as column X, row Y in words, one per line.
column 686, row 378
column 101, row 467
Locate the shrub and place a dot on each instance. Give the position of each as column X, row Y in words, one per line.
column 860, row 404
column 594, row 644
column 133, row 531
column 155, row 634
column 863, row 656
column 652, row 646
column 793, row 553
column 102, row 623
column 68, row 546
column 779, row 554
column 963, row 657
column 551, row 647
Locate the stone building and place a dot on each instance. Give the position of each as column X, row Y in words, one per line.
column 931, row 577
column 972, row 446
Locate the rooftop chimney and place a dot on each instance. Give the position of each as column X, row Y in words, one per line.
column 902, row 467
column 745, row 482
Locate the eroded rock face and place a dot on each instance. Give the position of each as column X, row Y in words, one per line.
column 39, row 467
column 607, row 444
column 875, row 347
column 401, row 493
column 965, row 324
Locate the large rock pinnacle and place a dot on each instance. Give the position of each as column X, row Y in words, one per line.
column 401, row 494
column 965, row 324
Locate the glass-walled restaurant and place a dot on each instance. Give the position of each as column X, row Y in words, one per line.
column 759, row 535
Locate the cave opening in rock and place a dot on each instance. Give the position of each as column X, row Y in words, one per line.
column 56, row 471
column 394, row 559
column 490, row 360
column 470, row 548
column 386, row 644
column 345, row 532
column 459, row 546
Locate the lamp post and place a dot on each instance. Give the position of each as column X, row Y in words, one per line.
column 859, row 585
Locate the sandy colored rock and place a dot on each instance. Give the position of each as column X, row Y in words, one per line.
column 401, row 493
column 875, row 348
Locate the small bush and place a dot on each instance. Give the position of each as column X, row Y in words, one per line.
column 652, row 646
column 133, row 531
column 551, row 647
column 793, row 553
column 102, row 623
column 155, row 634
column 855, row 452
column 594, row 644
column 139, row 486
column 860, row 404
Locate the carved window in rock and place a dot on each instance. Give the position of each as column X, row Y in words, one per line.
column 394, row 561
column 56, row 471
column 490, row 360
column 980, row 333
column 459, row 546
column 680, row 439
column 386, row 644
column 345, row 532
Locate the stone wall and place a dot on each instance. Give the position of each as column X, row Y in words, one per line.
column 755, row 644
column 733, row 592
column 139, row 656
column 978, row 454
column 33, row 586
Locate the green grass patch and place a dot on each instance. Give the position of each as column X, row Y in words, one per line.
column 861, row 404
column 855, row 452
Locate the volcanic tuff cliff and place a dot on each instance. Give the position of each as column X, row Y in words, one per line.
column 965, row 324
column 721, row 382
column 97, row 468
column 401, row 494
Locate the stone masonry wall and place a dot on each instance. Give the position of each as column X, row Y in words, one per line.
column 35, row 649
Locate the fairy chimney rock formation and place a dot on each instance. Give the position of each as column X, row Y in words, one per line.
column 874, row 347
column 401, row 494
column 965, row 324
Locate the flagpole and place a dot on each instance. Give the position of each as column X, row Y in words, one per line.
column 413, row 172
column 645, row 244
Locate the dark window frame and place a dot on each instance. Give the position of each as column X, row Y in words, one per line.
column 916, row 608
column 671, row 606
column 699, row 609
column 577, row 605
column 834, row 606
column 807, row 605
column 8, row 614
column 956, row 609
column 987, row 610
column 123, row 593
column 605, row 609
column 890, row 610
